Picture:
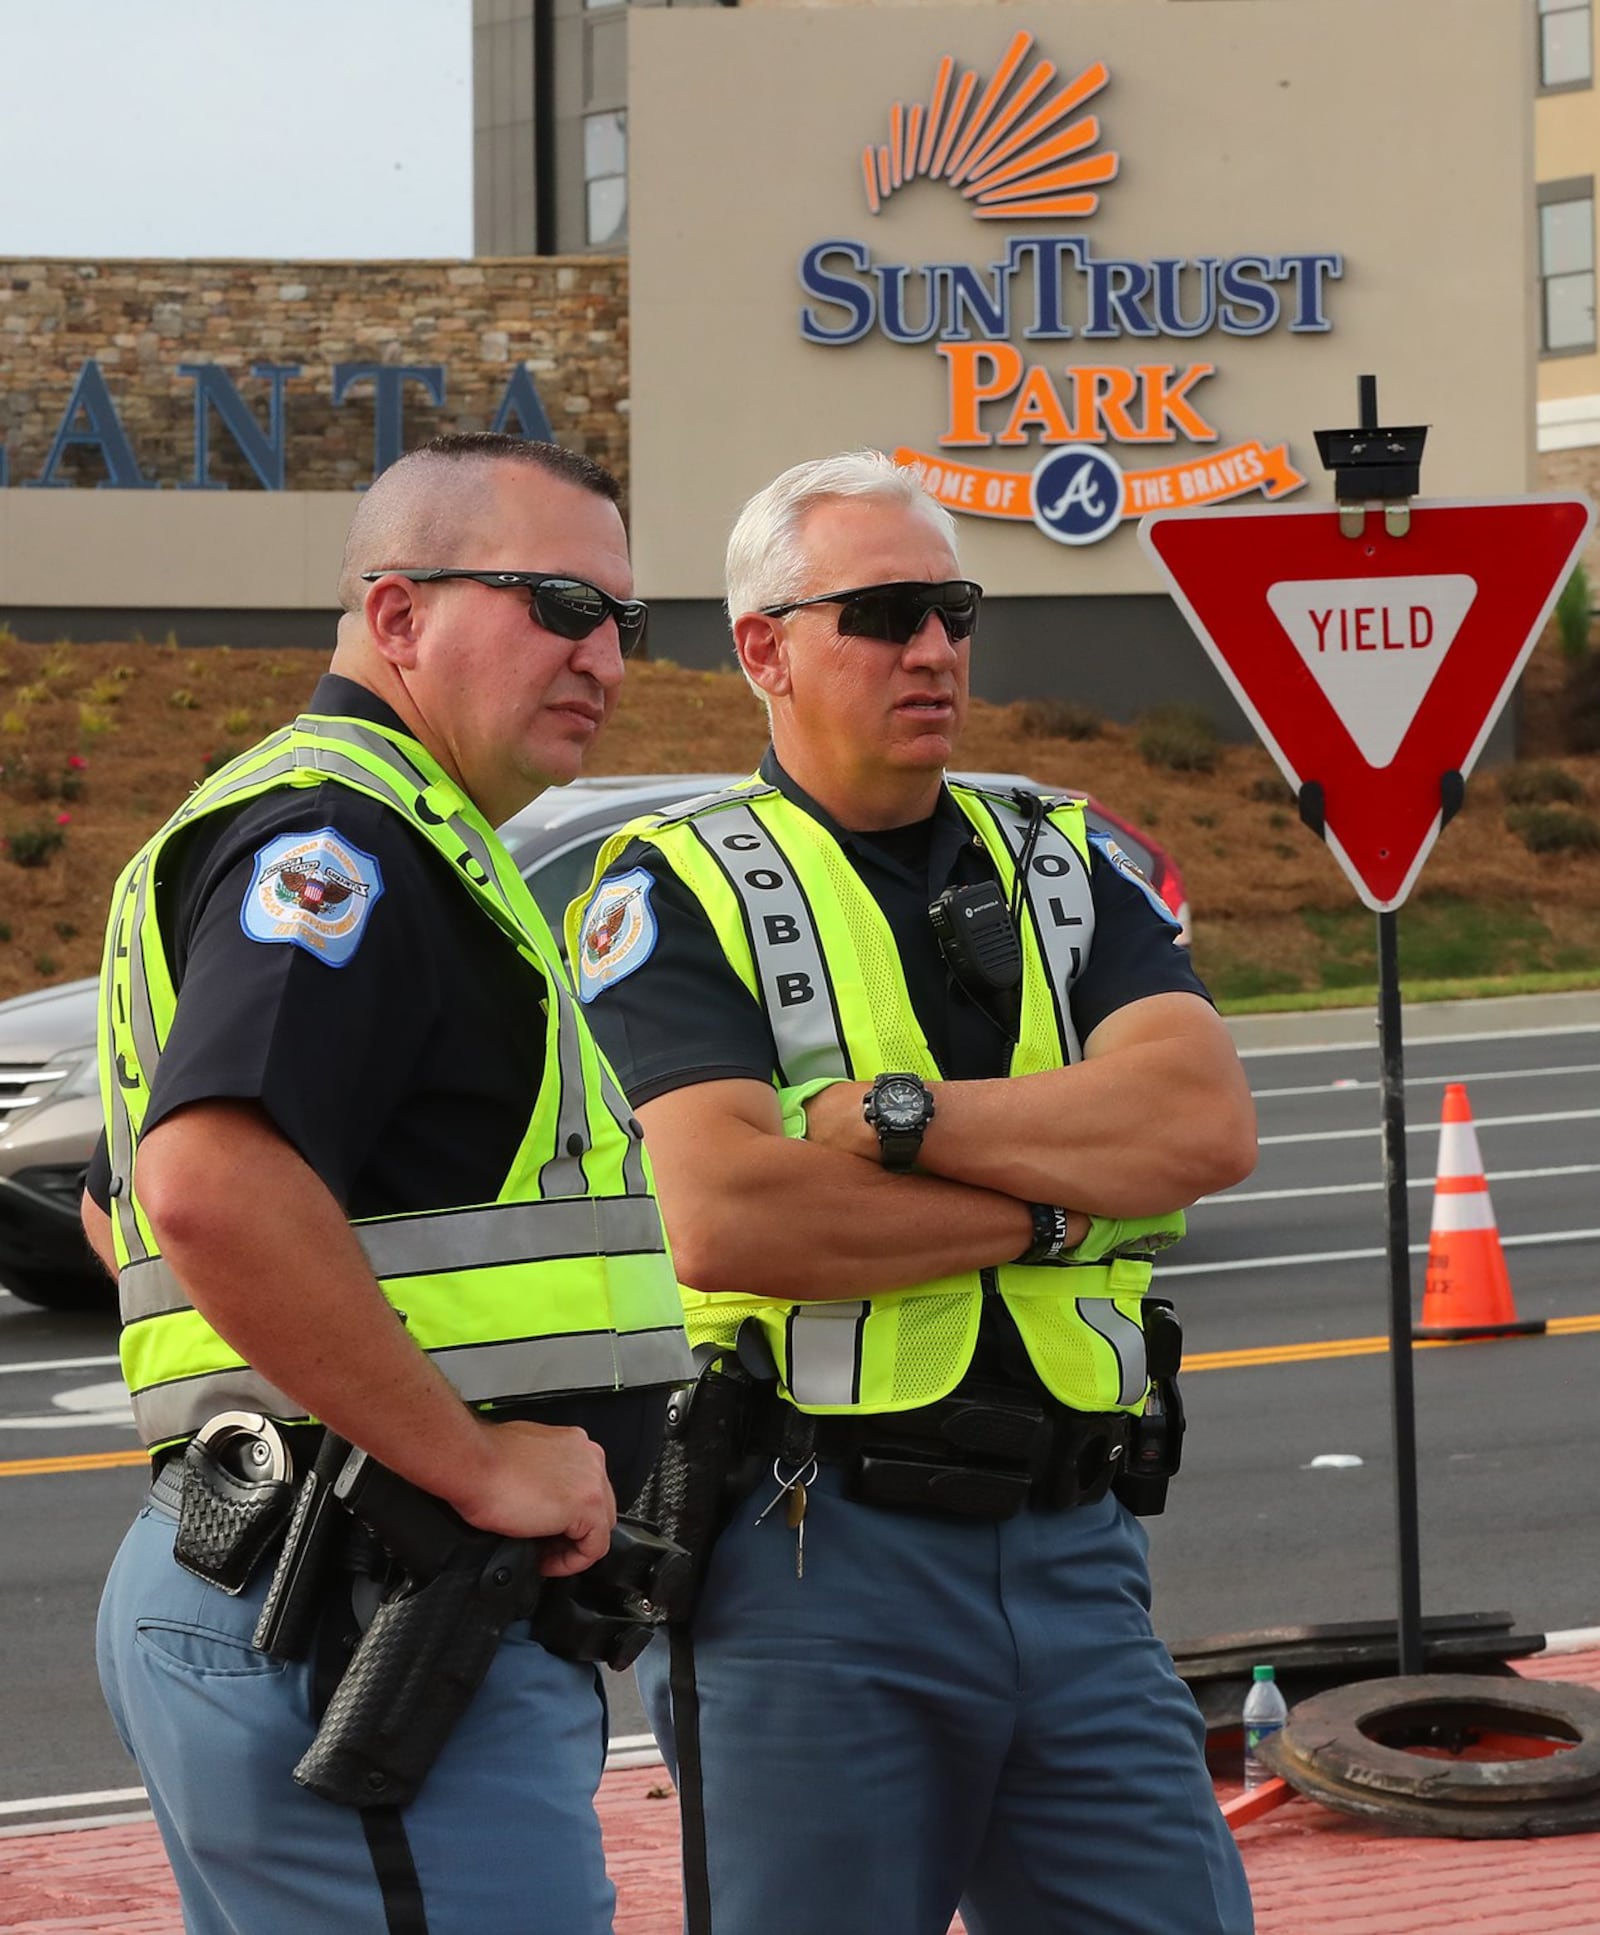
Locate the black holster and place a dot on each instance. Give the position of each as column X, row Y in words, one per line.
column 691, row 1492
column 1155, row 1437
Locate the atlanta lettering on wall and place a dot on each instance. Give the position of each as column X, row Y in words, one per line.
column 1021, row 150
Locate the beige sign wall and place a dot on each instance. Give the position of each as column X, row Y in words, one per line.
column 1255, row 138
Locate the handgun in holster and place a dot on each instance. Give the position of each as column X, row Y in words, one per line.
column 1155, row 1436
column 433, row 1638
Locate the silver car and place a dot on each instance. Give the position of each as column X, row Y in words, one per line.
column 49, row 1088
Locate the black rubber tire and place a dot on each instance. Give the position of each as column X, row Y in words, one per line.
column 61, row 1290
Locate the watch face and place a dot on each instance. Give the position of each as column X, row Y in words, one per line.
column 901, row 1104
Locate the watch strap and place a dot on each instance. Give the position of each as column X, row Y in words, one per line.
column 1049, row 1242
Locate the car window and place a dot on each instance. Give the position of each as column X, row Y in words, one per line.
column 556, row 879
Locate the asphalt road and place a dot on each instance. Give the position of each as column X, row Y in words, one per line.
column 1283, row 1292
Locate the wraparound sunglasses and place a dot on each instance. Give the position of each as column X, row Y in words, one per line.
column 569, row 607
column 895, row 613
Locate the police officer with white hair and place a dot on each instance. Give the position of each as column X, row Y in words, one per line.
column 928, row 1082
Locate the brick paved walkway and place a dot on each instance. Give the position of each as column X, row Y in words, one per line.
column 1312, row 1872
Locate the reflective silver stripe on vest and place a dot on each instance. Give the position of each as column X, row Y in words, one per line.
column 511, row 1233
column 547, row 1366
column 633, row 1176
column 562, row 1175
column 790, row 970
column 823, row 1346
column 1058, row 897
column 177, row 1410
column 1126, row 1340
column 495, row 1237
column 480, row 1373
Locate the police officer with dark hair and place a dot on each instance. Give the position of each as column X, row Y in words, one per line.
column 365, row 1174
column 928, row 1084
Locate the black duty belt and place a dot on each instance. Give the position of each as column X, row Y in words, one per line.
column 984, row 1452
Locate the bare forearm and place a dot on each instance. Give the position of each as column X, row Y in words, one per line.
column 306, row 1314
column 1149, row 1131
column 787, row 1219
column 1156, row 1115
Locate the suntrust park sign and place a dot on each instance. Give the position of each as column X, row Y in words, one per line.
column 1026, row 146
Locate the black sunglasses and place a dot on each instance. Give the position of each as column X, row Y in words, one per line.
column 896, row 613
column 569, row 607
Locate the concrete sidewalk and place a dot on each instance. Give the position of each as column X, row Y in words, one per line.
column 1312, row 1872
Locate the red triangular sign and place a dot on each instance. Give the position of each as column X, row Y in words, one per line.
column 1372, row 666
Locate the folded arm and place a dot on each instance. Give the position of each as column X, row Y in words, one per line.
column 750, row 1210
column 1156, row 1115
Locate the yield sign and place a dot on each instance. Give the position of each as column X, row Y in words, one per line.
column 1372, row 666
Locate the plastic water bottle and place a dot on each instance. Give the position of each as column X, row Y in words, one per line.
column 1264, row 1714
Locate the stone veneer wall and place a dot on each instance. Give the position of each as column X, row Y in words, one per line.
column 565, row 317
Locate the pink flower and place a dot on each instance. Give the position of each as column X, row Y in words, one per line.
column 76, row 764
column 63, row 819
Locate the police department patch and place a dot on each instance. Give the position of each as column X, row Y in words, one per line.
column 313, row 890
column 617, row 933
column 1124, row 866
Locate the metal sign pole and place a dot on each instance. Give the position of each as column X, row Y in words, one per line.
column 1401, row 1386
column 1391, row 1052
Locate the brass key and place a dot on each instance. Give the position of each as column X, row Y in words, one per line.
column 794, row 1514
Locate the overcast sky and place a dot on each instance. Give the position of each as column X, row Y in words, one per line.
column 235, row 127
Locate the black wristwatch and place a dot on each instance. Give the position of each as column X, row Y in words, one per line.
column 899, row 1107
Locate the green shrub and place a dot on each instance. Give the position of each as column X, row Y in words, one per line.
column 32, row 846
column 1540, row 786
column 1572, row 616
column 1180, row 738
column 1058, row 719
column 1271, row 789
column 1554, row 829
column 183, row 700
column 1581, row 704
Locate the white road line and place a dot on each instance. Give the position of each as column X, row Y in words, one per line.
column 1412, row 1182
column 1420, row 1041
column 1354, row 1256
column 104, row 1797
column 1429, row 1081
column 61, row 1364
column 1430, row 1128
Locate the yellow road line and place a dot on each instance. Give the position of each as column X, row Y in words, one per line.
column 1236, row 1360
column 83, row 1461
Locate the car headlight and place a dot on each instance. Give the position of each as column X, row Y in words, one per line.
column 83, row 1077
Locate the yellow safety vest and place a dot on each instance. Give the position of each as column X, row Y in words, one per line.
column 812, row 946
column 561, row 1284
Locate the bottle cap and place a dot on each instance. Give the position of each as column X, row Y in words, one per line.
column 1264, row 1672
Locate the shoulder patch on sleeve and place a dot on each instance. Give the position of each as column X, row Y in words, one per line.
column 1104, row 844
column 312, row 890
column 617, row 932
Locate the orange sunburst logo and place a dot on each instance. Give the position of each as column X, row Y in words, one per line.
column 1006, row 160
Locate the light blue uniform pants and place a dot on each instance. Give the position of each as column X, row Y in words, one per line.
column 503, row 1838
column 944, row 1712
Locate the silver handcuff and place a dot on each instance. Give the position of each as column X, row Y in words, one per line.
column 248, row 1444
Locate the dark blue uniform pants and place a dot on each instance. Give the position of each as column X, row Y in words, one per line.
column 944, row 1712
column 502, row 1840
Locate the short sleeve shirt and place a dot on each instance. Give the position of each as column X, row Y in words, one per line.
column 683, row 1016
column 406, row 1074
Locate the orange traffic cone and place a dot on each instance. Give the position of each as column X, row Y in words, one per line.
column 1467, row 1293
